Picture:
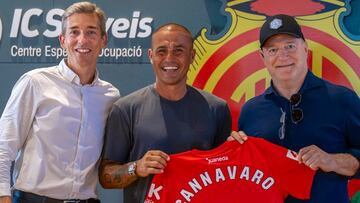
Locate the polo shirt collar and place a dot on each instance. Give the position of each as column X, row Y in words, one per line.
column 310, row 82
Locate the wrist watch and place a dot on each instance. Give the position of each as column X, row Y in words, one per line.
column 132, row 169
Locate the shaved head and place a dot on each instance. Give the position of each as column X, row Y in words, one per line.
column 173, row 27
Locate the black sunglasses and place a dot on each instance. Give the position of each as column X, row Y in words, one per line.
column 296, row 113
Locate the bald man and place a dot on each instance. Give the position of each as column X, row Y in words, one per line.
column 163, row 118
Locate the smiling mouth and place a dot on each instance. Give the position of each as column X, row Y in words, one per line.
column 285, row 66
column 170, row 68
column 83, row 50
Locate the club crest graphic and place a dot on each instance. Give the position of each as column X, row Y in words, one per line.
column 229, row 65
column 275, row 24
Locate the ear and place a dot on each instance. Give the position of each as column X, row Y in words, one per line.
column 306, row 47
column 261, row 53
column 150, row 54
column 105, row 40
column 193, row 53
column 62, row 40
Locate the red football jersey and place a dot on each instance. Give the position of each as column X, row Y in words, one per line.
column 255, row 172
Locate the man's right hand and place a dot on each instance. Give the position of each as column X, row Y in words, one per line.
column 5, row 199
column 153, row 162
column 116, row 175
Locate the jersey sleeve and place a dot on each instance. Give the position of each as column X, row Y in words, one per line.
column 294, row 178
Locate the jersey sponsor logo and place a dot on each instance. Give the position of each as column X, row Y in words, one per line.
column 217, row 175
column 291, row 154
column 228, row 64
column 217, row 159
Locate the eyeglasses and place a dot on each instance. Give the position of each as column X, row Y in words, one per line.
column 288, row 48
column 296, row 113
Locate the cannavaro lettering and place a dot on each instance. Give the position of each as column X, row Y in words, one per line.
column 203, row 180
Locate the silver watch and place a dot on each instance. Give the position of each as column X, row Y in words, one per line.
column 132, row 169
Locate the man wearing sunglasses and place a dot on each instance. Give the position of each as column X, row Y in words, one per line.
column 319, row 120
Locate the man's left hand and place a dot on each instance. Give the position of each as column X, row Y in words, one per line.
column 316, row 158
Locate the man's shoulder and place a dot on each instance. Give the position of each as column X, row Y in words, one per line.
column 109, row 87
column 206, row 95
column 38, row 75
column 255, row 101
column 337, row 90
column 135, row 98
column 42, row 71
column 339, row 93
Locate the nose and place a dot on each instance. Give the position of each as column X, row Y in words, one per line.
column 169, row 59
column 282, row 52
column 170, row 55
column 82, row 38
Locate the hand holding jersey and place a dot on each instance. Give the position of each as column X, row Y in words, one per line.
column 316, row 158
column 153, row 162
column 257, row 171
column 240, row 136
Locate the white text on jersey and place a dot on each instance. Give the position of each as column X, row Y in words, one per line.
column 204, row 180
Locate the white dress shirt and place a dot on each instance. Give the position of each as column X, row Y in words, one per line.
column 54, row 126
